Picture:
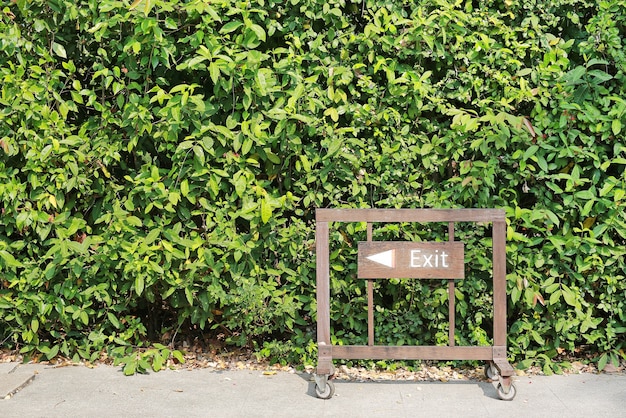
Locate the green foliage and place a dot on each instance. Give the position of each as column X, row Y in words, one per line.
column 160, row 163
column 155, row 358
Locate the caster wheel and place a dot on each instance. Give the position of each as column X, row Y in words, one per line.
column 506, row 396
column 491, row 372
column 328, row 393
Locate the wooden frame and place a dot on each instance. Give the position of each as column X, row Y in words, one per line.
column 495, row 355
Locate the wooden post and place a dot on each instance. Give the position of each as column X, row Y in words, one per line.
column 370, row 298
column 499, row 283
column 370, row 312
column 451, row 296
column 324, row 349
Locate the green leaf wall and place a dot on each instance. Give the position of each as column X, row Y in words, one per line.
column 161, row 162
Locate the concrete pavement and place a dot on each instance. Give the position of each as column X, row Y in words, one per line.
column 37, row 390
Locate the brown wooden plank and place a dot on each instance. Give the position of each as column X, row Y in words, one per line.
column 451, row 296
column 409, row 215
column 353, row 352
column 370, row 312
column 451, row 312
column 407, row 259
column 499, row 284
column 370, row 297
column 323, row 282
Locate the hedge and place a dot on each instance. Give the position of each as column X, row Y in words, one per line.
column 161, row 162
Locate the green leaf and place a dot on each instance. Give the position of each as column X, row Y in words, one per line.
column 616, row 126
column 178, row 355
column 259, row 31
column 231, row 26
column 525, row 364
column 9, row 260
column 214, row 72
column 573, row 77
column 273, row 157
column 334, row 147
column 543, row 164
column 59, row 50
column 152, row 236
column 246, row 146
column 189, row 296
column 199, row 153
column 157, row 362
column 333, row 113
column 532, row 150
column 603, row 361
column 569, row 296
column 142, row 364
column 134, row 221
column 555, row 297
column 600, row 76
column 585, row 194
column 52, row 352
column 174, row 198
column 537, row 337
column 84, row 317
column 552, row 287
column 139, row 284
column 338, row 267
column 547, row 369
column 130, row 368
column 22, row 219
column 113, row 319
column 552, row 216
column 241, row 184
column 184, row 188
column 266, row 210
column 306, row 165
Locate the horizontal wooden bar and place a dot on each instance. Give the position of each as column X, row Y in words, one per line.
column 409, row 215
column 353, row 352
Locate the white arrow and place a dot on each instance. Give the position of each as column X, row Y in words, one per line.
column 386, row 258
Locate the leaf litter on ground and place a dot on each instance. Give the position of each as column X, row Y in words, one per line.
column 432, row 371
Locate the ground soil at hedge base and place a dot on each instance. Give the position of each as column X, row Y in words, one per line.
column 246, row 360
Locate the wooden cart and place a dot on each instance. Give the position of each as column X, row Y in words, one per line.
column 393, row 259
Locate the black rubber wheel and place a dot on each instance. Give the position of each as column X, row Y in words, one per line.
column 328, row 393
column 506, row 396
column 491, row 372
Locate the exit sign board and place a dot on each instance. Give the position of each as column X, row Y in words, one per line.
column 411, row 260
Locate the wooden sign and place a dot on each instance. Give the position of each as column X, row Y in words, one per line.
column 411, row 260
